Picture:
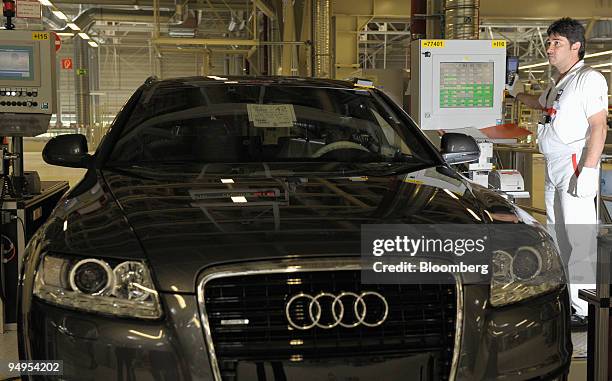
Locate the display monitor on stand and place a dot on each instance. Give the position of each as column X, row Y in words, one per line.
column 27, row 90
column 458, row 86
column 27, row 101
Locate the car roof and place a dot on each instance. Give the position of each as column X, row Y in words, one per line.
column 257, row 80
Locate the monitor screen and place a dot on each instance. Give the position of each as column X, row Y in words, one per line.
column 466, row 84
column 512, row 63
column 17, row 63
column 512, row 67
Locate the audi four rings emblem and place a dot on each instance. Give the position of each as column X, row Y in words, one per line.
column 305, row 311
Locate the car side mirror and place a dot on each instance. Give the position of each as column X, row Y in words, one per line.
column 67, row 151
column 459, row 148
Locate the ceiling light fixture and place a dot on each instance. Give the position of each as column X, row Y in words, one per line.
column 602, row 65
column 84, row 36
column 181, row 32
column 60, row 15
column 46, row 3
column 598, row 54
column 93, row 44
column 73, row 26
column 533, row 65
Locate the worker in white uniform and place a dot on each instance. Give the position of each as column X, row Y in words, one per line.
column 571, row 136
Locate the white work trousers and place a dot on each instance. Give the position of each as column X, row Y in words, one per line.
column 572, row 222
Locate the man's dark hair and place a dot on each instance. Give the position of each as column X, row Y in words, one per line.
column 570, row 29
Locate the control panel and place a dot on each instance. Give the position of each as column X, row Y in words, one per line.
column 28, row 88
column 20, row 97
column 457, row 83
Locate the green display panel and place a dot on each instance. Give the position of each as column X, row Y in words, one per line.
column 466, row 84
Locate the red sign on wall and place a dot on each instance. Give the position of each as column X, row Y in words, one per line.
column 58, row 42
column 67, row 63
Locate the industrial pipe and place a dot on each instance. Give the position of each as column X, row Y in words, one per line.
column 462, row 19
column 322, row 40
column 82, row 98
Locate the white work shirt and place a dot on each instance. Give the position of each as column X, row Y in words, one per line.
column 580, row 94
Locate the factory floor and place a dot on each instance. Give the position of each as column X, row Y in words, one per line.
column 33, row 162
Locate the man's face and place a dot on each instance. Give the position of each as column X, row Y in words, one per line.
column 560, row 52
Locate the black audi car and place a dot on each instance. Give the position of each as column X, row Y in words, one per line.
column 217, row 236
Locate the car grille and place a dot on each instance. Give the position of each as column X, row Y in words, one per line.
column 421, row 318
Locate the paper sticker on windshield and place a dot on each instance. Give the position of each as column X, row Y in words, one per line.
column 271, row 115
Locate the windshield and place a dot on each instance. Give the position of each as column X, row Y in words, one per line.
column 231, row 123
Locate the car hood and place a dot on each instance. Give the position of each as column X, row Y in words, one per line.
column 185, row 219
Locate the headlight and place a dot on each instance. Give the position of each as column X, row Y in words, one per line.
column 92, row 276
column 122, row 288
column 525, row 272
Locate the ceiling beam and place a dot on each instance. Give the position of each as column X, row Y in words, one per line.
column 205, row 41
column 265, row 8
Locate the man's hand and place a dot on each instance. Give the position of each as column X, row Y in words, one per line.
column 516, row 87
column 587, row 182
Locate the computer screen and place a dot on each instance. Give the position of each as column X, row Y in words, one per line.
column 512, row 68
column 466, row 84
column 17, row 62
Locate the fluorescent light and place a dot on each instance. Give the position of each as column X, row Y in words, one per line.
column 227, row 181
column 239, row 199
column 533, row 65
column 60, row 15
column 598, row 54
column 46, row 3
column 73, row 26
column 93, row 44
column 182, row 32
column 65, row 34
column 605, row 71
column 602, row 65
column 84, row 36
